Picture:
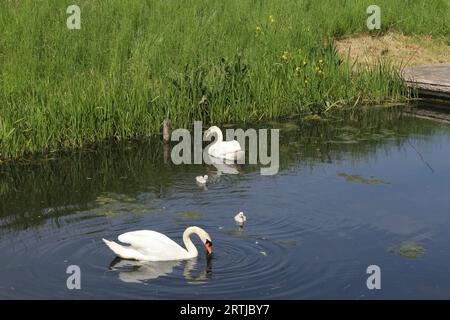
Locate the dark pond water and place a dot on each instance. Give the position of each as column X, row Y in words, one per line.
column 370, row 189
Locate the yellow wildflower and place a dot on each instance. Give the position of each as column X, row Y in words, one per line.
column 321, row 61
column 258, row 29
column 306, row 81
column 305, row 62
column 285, row 56
column 298, row 70
column 272, row 19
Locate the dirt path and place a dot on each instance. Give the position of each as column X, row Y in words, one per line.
column 395, row 47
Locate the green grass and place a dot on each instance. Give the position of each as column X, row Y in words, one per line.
column 134, row 63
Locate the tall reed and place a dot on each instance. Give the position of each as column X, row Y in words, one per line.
column 134, row 63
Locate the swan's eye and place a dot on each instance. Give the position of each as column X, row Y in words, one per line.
column 208, row 243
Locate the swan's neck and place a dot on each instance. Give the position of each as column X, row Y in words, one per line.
column 218, row 132
column 190, row 247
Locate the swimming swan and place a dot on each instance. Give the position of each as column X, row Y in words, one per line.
column 147, row 245
column 240, row 219
column 202, row 179
column 230, row 150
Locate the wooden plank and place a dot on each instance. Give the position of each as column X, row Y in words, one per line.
column 430, row 80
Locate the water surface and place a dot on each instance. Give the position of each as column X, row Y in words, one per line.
column 368, row 189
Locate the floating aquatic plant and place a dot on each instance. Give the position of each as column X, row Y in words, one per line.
column 408, row 249
column 190, row 214
column 289, row 242
column 358, row 178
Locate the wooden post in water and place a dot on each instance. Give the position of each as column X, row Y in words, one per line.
column 166, row 130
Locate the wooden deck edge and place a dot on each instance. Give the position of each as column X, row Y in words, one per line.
column 433, row 93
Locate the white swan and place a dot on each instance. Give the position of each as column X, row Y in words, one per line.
column 230, row 150
column 147, row 245
column 240, row 218
column 202, row 179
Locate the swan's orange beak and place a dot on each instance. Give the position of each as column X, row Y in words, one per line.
column 208, row 246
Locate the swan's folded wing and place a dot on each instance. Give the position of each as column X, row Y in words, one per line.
column 228, row 147
column 152, row 243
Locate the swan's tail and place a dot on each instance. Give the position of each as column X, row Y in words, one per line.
column 123, row 252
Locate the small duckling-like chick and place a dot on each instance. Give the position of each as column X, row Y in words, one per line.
column 202, row 180
column 240, row 219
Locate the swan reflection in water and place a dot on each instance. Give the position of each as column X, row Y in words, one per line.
column 222, row 166
column 132, row 271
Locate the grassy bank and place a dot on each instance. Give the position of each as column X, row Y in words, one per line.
column 134, row 63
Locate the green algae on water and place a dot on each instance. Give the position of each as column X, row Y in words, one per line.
column 408, row 249
column 190, row 214
column 358, row 178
